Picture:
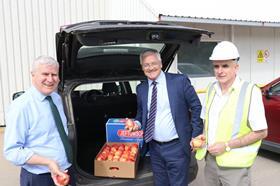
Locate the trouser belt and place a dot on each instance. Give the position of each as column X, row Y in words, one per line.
column 165, row 142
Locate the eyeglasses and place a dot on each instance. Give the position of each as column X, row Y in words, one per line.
column 148, row 65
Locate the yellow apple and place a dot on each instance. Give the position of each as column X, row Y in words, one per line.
column 197, row 143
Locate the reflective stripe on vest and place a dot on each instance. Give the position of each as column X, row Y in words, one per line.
column 239, row 110
column 238, row 157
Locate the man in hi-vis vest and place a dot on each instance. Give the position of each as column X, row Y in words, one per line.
column 234, row 122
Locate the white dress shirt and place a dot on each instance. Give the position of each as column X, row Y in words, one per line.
column 31, row 129
column 164, row 124
column 256, row 117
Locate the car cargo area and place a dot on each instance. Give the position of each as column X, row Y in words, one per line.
column 92, row 108
column 93, row 104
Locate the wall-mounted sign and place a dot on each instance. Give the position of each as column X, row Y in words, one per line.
column 262, row 56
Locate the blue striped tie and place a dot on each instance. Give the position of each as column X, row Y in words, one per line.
column 152, row 116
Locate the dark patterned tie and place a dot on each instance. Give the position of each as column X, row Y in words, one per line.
column 61, row 131
column 152, row 116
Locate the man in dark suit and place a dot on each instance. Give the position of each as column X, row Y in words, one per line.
column 168, row 111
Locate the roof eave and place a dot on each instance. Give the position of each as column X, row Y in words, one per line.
column 202, row 20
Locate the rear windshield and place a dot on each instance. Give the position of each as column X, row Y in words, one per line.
column 124, row 49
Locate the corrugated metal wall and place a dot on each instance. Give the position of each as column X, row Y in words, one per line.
column 28, row 30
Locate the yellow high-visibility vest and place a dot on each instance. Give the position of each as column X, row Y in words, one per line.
column 232, row 123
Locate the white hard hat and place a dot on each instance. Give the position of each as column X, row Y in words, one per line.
column 224, row 50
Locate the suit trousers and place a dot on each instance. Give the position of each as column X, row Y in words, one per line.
column 170, row 163
column 30, row 179
column 224, row 176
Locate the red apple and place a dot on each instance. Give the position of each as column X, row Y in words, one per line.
column 122, row 159
column 110, row 157
column 126, row 153
column 118, row 153
column 127, row 147
column 129, row 123
column 114, row 148
column 121, row 147
column 107, row 147
column 63, row 180
column 101, row 157
column 131, row 158
column 134, row 150
column 105, row 153
column 116, row 158
column 135, row 145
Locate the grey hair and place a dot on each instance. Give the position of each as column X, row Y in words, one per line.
column 149, row 52
column 46, row 60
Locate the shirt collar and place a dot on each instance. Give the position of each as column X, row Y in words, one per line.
column 37, row 94
column 234, row 86
column 159, row 79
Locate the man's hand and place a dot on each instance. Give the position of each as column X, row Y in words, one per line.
column 198, row 142
column 217, row 148
column 58, row 175
column 53, row 167
column 131, row 125
column 62, row 180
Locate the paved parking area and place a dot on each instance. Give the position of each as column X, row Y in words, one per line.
column 265, row 171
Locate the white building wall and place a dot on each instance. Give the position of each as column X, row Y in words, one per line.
column 244, row 45
column 28, row 30
column 262, row 39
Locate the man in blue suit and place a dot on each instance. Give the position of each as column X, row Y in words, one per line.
column 168, row 111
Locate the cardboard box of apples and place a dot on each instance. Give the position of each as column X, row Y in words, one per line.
column 119, row 156
column 117, row 159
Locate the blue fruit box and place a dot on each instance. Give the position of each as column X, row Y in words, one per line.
column 115, row 132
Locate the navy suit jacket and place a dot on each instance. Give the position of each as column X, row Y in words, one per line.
column 185, row 108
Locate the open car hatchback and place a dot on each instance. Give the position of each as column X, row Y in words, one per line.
column 99, row 72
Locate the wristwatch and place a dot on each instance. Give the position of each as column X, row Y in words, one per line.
column 227, row 147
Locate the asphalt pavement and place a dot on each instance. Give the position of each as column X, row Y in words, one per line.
column 265, row 171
